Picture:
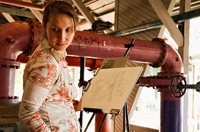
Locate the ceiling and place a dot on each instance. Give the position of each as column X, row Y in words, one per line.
column 99, row 9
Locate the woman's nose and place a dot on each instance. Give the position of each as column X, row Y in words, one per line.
column 62, row 37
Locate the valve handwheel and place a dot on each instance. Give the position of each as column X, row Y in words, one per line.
column 178, row 86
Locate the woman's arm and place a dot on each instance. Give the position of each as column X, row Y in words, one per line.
column 36, row 89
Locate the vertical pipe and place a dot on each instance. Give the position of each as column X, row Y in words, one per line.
column 7, row 84
column 170, row 106
column 106, row 127
column 82, row 74
column 170, row 115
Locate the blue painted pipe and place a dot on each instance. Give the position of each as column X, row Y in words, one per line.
column 177, row 19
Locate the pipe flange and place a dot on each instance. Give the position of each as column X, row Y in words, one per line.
column 10, row 63
column 163, row 89
column 170, row 74
column 9, row 98
column 165, row 53
column 34, row 23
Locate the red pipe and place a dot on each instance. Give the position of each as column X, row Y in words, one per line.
column 91, row 3
column 15, row 38
column 24, row 4
column 105, row 46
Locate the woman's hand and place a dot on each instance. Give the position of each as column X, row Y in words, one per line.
column 75, row 103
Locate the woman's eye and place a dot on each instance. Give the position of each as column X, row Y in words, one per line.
column 69, row 29
column 55, row 29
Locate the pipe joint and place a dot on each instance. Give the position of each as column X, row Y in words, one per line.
column 10, row 63
column 36, row 32
column 9, row 98
column 164, row 55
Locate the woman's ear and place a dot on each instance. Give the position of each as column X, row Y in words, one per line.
column 43, row 25
column 44, row 31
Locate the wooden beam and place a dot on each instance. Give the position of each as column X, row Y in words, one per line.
column 84, row 11
column 116, row 15
column 167, row 21
column 169, row 10
column 17, row 12
column 8, row 17
column 37, row 13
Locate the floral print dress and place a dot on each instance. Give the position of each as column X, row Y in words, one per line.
column 47, row 102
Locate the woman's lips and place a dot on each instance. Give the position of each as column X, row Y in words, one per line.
column 60, row 44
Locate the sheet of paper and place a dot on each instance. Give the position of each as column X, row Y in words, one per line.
column 110, row 88
column 114, row 62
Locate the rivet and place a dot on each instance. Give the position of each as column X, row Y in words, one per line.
column 10, row 40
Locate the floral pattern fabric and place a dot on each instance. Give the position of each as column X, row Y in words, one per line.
column 47, row 102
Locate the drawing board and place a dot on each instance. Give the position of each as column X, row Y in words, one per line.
column 110, row 89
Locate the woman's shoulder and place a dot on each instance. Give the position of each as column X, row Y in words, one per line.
column 41, row 57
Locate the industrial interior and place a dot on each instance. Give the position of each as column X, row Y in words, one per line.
column 157, row 30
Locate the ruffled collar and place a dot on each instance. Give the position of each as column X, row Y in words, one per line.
column 59, row 56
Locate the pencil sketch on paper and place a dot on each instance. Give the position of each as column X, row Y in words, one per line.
column 108, row 64
column 109, row 87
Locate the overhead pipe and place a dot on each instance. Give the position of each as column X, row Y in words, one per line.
column 157, row 24
column 102, row 6
column 24, row 4
column 17, row 37
column 86, row 5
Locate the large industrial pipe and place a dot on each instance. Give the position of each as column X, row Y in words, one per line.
column 16, row 37
column 24, row 4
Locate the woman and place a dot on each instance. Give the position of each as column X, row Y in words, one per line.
column 47, row 102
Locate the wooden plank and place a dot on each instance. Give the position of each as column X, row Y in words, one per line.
column 155, row 32
column 167, row 21
column 122, row 24
column 8, row 17
column 139, row 36
column 116, row 15
column 36, row 13
column 84, row 11
column 146, row 36
column 141, row 129
column 127, row 15
column 169, row 9
column 139, row 14
column 141, row 10
column 128, row 23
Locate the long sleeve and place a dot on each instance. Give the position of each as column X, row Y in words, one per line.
column 36, row 89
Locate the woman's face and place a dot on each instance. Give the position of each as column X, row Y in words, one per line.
column 60, row 31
